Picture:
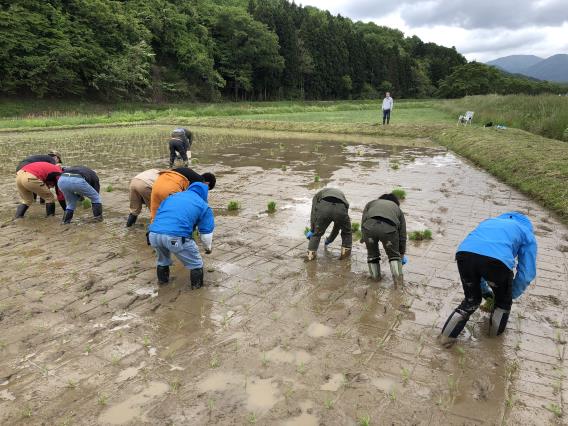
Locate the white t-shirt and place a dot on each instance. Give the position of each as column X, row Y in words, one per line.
column 387, row 103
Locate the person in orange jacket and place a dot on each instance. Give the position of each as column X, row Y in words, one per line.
column 176, row 180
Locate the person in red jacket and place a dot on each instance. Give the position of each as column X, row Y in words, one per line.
column 37, row 178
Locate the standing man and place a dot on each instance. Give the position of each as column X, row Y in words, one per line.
column 172, row 232
column 388, row 104
column 37, row 178
column 383, row 221
column 77, row 182
column 489, row 253
column 176, row 180
column 140, row 193
column 329, row 205
column 180, row 143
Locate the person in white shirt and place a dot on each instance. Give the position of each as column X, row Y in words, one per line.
column 387, row 107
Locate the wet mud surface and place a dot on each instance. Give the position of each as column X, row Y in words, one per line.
column 88, row 337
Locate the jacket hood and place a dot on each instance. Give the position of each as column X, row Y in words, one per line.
column 200, row 189
column 519, row 217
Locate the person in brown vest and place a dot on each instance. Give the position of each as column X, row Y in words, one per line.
column 140, row 193
column 329, row 205
column 383, row 221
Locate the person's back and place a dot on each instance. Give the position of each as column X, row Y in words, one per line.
column 181, row 212
column 385, row 209
column 89, row 174
column 36, row 158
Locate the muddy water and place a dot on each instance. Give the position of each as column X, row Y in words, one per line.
column 271, row 338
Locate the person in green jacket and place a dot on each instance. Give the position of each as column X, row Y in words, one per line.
column 329, row 205
column 383, row 221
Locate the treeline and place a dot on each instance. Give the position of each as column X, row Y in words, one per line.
column 208, row 50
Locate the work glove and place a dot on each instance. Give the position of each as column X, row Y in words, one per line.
column 207, row 240
column 404, row 260
column 309, row 234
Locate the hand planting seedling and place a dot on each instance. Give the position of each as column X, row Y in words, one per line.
column 425, row 234
column 271, row 208
column 399, row 193
column 233, row 206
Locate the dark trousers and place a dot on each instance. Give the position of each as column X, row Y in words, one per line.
column 376, row 230
column 386, row 116
column 177, row 147
column 472, row 267
column 325, row 213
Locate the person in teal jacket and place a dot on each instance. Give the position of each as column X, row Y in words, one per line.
column 172, row 232
column 488, row 255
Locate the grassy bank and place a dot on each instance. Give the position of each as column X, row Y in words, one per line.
column 545, row 115
column 42, row 114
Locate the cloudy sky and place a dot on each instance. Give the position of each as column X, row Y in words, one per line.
column 480, row 29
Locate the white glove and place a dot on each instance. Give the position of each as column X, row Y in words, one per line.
column 207, row 240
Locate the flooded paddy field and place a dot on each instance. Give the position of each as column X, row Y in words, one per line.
column 88, row 337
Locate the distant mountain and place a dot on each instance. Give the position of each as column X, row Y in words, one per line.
column 515, row 63
column 554, row 68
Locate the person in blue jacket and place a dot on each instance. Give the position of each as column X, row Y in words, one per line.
column 172, row 229
column 488, row 254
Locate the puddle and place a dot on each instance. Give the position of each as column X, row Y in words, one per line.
column 262, row 394
column 319, row 330
column 220, row 381
column 129, row 373
column 278, row 354
column 132, row 408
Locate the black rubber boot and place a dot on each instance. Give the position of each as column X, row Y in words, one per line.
column 63, row 204
column 196, row 276
column 21, row 211
column 67, row 216
column 50, row 209
column 163, row 273
column 98, row 211
column 41, row 200
column 131, row 220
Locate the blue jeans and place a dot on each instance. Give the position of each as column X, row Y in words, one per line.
column 386, row 116
column 75, row 187
column 187, row 252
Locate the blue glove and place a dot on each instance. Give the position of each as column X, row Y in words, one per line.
column 309, row 234
column 404, row 260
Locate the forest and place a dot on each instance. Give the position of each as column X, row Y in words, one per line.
column 203, row 50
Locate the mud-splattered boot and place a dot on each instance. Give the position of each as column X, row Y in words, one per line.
column 163, row 273
column 196, row 277
column 98, row 212
column 396, row 271
column 345, row 252
column 50, row 209
column 131, row 220
column 21, row 211
column 374, row 267
column 67, row 216
column 311, row 255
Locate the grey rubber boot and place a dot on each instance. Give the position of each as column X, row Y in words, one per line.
column 396, row 271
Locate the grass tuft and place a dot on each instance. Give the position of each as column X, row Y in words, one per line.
column 233, row 206
column 86, row 203
column 425, row 234
column 271, row 207
column 399, row 193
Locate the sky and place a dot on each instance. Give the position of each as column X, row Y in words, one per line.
column 481, row 30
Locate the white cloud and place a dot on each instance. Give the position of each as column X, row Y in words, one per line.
column 481, row 29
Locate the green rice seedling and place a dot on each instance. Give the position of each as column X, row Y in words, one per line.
column 175, row 385
column 265, row 360
column 251, row 418
column 488, row 305
column 555, row 409
column 194, row 161
column 399, row 193
column 316, row 178
column 86, row 203
column 405, row 373
column 102, row 399
column 71, row 384
column 364, row 420
column 394, row 165
column 26, row 412
column 109, row 188
column 392, row 394
column 301, row 368
column 283, row 167
column 146, row 341
column 233, row 206
column 355, row 226
column 356, row 229
column 510, row 401
column 306, row 230
column 271, row 207
column 115, row 359
column 210, row 405
column 215, row 363
column 328, row 403
column 425, row 234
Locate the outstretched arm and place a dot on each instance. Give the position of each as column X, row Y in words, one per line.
column 526, row 266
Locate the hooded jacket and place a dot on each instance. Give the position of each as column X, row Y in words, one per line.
column 507, row 238
column 181, row 212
